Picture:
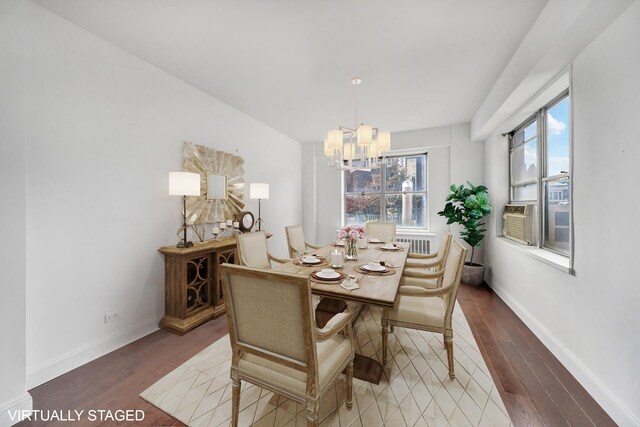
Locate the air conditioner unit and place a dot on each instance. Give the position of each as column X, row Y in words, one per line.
column 519, row 223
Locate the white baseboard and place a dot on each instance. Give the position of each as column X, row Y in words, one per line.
column 79, row 356
column 619, row 412
column 14, row 408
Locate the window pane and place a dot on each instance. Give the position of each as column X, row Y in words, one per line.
column 524, row 162
column 407, row 210
column 525, row 193
column 557, row 219
column 558, row 138
column 359, row 209
column 406, row 173
column 359, row 181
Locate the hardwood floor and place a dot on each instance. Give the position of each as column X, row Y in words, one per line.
column 536, row 388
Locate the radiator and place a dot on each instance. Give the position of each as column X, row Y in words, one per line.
column 420, row 245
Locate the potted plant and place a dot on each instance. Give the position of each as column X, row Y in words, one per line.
column 467, row 206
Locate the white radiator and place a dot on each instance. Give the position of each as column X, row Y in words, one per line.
column 419, row 244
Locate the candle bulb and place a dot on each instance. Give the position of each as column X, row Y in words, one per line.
column 229, row 223
column 236, row 224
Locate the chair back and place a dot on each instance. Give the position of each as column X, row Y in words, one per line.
column 270, row 315
column 385, row 231
column 443, row 250
column 252, row 249
column 452, row 275
column 295, row 239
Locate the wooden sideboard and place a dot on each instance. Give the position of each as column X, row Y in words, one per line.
column 193, row 292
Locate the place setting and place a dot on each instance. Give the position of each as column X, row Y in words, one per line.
column 389, row 247
column 311, row 261
column 376, row 268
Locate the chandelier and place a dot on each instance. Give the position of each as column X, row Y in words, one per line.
column 341, row 144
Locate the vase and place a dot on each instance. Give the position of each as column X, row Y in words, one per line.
column 351, row 249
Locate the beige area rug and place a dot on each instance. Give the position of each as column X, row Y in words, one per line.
column 415, row 388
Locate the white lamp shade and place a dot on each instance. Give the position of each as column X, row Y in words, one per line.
column 259, row 190
column 384, row 141
column 349, row 151
column 335, row 139
column 328, row 150
column 373, row 150
column 184, row 184
column 365, row 135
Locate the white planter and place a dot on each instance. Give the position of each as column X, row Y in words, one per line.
column 473, row 274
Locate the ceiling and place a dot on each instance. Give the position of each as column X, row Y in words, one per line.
column 289, row 63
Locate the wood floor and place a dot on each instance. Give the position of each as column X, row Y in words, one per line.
column 536, row 388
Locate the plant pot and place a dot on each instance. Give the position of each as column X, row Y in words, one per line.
column 473, row 274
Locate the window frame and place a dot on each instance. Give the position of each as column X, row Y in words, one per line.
column 383, row 193
column 542, row 161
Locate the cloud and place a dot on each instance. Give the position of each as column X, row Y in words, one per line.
column 555, row 126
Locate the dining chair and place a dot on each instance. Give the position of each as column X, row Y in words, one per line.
column 384, row 231
column 275, row 343
column 252, row 250
column 416, row 272
column 296, row 241
column 428, row 309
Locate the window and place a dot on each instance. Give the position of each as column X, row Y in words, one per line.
column 540, row 174
column 395, row 192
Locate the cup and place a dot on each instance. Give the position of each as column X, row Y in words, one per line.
column 362, row 243
column 373, row 265
column 327, row 271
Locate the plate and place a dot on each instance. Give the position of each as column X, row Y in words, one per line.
column 332, row 275
column 335, row 278
column 338, row 244
column 378, row 269
column 311, row 261
column 390, row 248
column 375, row 241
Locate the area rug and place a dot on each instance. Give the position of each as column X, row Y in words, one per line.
column 415, row 389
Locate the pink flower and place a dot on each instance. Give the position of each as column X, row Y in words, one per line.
column 354, row 234
column 342, row 234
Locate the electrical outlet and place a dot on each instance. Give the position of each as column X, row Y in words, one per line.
column 111, row 316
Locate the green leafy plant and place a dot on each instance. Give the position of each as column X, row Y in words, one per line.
column 467, row 206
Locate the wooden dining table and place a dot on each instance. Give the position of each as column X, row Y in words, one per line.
column 374, row 289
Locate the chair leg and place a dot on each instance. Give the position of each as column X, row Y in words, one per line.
column 391, row 328
column 448, row 343
column 235, row 401
column 312, row 413
column 385, row 339
column 350, row 385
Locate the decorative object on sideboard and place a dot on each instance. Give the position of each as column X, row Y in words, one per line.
column 373, row 143
column 184, row 184
column 246, row 220
column 222, row 183
column 260, row 191
column 467, row 206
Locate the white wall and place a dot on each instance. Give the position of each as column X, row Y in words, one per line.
column 589, row 321
column 13, row 390
column 452, row 158
column 105, row 128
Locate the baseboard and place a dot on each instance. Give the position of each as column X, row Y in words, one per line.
column 79, row 356
column 619, row 412
column 10, row 412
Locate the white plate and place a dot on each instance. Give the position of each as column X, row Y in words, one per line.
column 311, row 260
column 377, row 268
column 339, row 243
column 390, row 248
column 333, row 275
column 375, row 241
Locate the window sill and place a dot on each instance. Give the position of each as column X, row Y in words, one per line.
column 558, row 261
column 414, row 232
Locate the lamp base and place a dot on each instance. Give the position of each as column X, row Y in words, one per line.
column 184, row 245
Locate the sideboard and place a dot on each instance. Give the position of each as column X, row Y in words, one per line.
column 193, row 292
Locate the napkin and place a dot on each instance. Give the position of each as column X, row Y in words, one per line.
column 350, row 284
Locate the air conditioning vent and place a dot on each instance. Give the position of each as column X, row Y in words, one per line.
column 518, row 223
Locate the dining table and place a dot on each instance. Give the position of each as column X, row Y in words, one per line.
column 375, row 289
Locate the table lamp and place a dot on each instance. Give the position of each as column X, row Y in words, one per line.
column 184, row 184
column 260, row 191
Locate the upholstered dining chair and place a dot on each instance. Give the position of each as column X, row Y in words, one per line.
column 275, row 343
column 428, row 309
column 296, row 240
column 252, row 250
column 385, row 231
column 416, row 273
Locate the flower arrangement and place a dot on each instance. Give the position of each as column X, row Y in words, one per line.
column 351, row 232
